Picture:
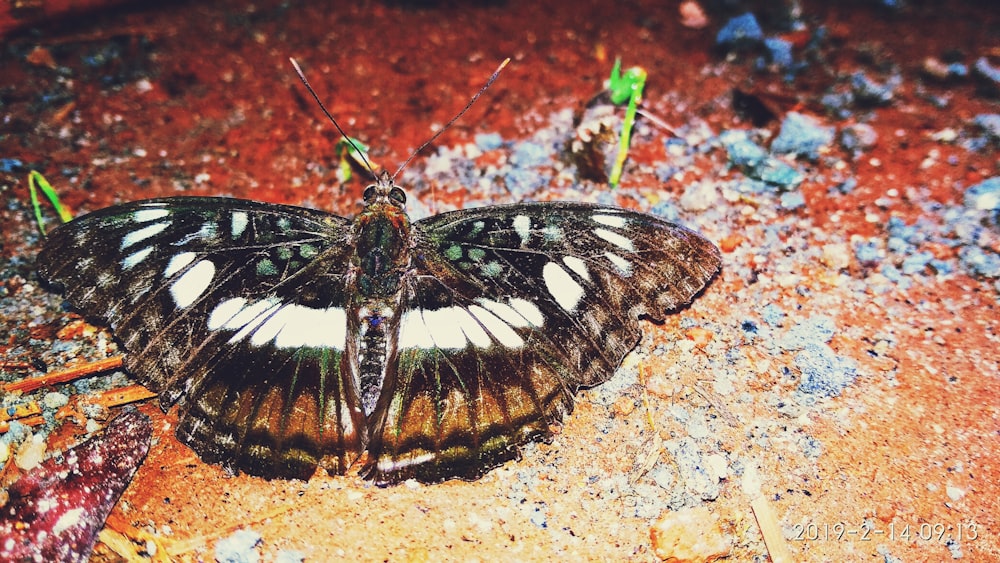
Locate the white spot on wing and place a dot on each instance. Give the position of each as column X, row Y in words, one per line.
column 497, row 327
column 270, row 326
column 192, row 283
column 207, row 231
column 528, row 310
column 225, row 312
column 472, row 328
column 286, row 326
column 239, row 223
column 413, row 332
column 562, row 286
column 522, row 226
column 505, row 312
column 622, row 265
column 444, row 328
column 178, row 263
column 615, row 239
column 387, row 465
column 142, row 234
column 518, row 313
column 578, row 266
column 610, row 220
column 250, row 317
column 316, row 328
column 147, row 215
column 455, row 327
column 136, row 257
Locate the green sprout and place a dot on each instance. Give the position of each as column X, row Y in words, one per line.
column 622, row 87
column 36, row 178
column 348, row 149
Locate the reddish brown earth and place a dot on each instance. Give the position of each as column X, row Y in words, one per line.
column 199, row 99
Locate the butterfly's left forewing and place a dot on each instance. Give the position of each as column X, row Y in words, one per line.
column 239, row 309
column 507, row 312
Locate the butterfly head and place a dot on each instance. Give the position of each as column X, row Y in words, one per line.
column 384, row 193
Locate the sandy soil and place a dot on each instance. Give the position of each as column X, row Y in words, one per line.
column 853, row 394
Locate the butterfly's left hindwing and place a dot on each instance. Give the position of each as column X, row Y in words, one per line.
column 508, row 311
column 236, row 306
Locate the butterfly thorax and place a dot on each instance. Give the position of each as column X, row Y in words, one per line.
column 382, row 234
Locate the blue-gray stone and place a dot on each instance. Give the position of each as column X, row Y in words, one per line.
column 824, row 373
column 10, row 165
column 817, row 329
column 990, row 123
column 238, row 547
column 988, row 75
column 792, row 200
column 984, row 196
column 780, row 52
column 488, row 141
column 772, row 315
column 802, row 134
column 867, row 90
column 757, row 163
column 866, row 253
column 916, row 263
column 739, row 31
column 980, row 262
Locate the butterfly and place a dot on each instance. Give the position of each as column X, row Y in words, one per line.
column 293, row 339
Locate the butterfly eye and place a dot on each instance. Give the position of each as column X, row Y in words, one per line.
column 397, row 195
column 369, row 194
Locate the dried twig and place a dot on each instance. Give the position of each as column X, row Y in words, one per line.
column 769, row 528
column 53, row 378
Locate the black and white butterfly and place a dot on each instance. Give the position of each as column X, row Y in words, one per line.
column 292, row 338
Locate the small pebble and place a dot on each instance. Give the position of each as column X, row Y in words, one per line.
column 488, row 141
column 954, row 493
column 31, row 453
column 690, row 535
column 987, row 75
column 54, row 400
column 693, row 15
column 858, row 137
column 779, row 52
column 289, row 556
column 837, row 256
column 824, row 373
column 239, row 547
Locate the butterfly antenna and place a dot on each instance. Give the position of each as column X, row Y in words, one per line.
column 302, row 77
column 489, row 82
